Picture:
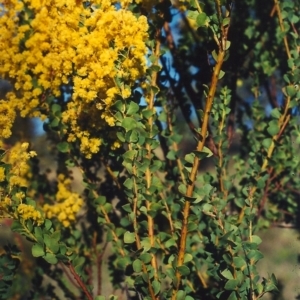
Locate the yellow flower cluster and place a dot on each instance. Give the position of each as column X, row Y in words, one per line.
column 7, row 117
column 68, row 203
column 27, row 212
column 18, row 158
column 18, row 176
column 87, row 44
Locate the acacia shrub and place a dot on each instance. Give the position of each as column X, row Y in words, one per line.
column 108, row 79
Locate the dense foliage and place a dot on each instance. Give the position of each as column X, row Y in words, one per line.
column 138, row 96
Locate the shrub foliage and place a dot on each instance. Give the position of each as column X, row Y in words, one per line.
column 139, row 96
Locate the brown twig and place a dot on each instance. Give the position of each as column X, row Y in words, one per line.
column 194, row 171
column 79, row 281
column 70, row 278
column 148, row 173
column 99, row 261
column 281, row 24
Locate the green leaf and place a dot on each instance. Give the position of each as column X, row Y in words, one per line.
column 170, row 243
column 132, row 108
column 128, row 183
column 51, row 243
column 256, row 239
column 37, row 250
column 189, row 158
column 192, row 226
column 227, row 45
column 172, row 155
column 231, row 284
column 273, row 128
column 137, row 266
column 145, row 258
column 267, row 143
column 119, row 106
column 62, row 258
column 275, row 113
column 182, row 189
column 225, row 21
column 55, row 108
column 122, row 263
column 215, row 55
column 29, row 225
column 155, row 68
column 191, row 14
column 63, row 147
column 221, row 74
column 206, row 152
column 54, row 122
column 133, row 136
column 148, row 113
column 201, row 19
column 291, row 90
column 50, row 258
column 207, row 208
column 239, row 262
column 127, row 207
column 129, row 123
column 183, row 270
column 48, row 224
column 120, row 136
column 38, row 233
column 146, row 244
column 130, row 154
column 180, row 295
column 187, row 257
column 286, row 78
column 156, row 286
column 254, row 255
column 156, row 165
column 232, row 296
column 101, row 200
column 129, row 237
column 78, row 261
column 227, row 274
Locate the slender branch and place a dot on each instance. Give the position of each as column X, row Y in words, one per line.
column 80, row 282
column 70, row 278
column 194, row 171
column 281, row 24
column 135, row 225
column 112, row 175
column 148, row 173
column 135, row 204
column 99, row 261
